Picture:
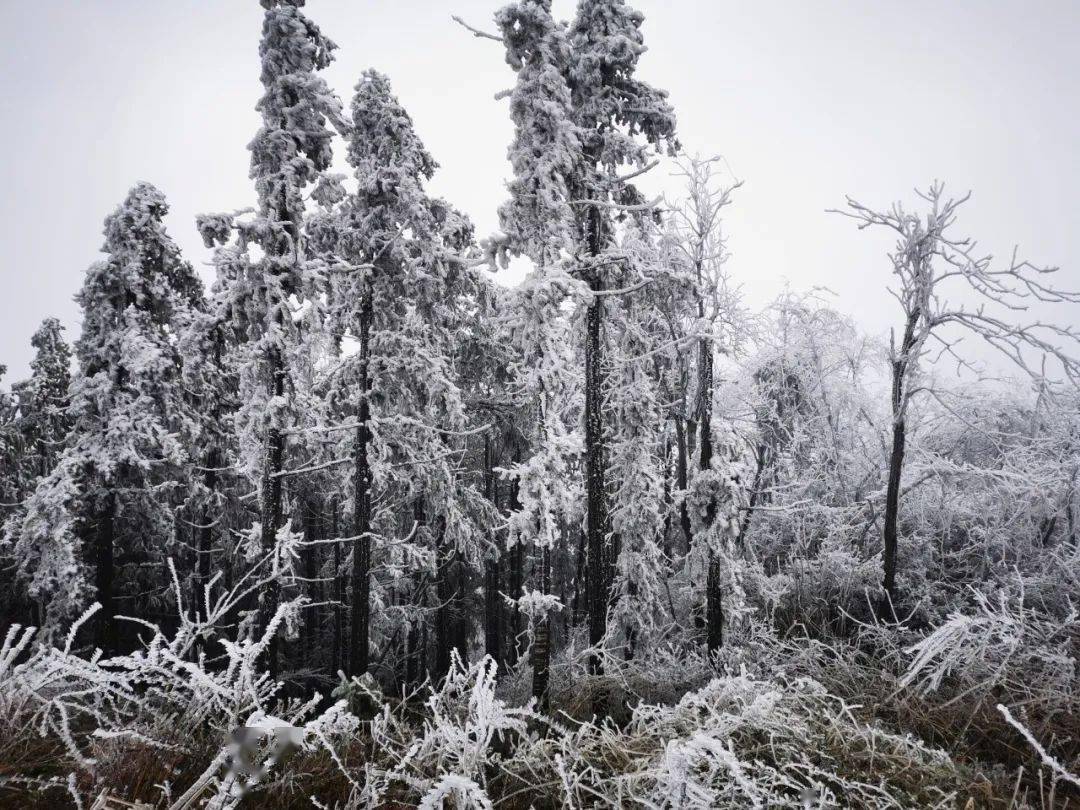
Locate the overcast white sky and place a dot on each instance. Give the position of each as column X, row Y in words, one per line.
column 808, row 101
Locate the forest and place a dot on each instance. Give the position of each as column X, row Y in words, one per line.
column 358, row 526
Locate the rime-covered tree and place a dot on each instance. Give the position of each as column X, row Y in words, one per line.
column 104, row 507
column 210, row 381
column 538, row 221
column 701, row 248
column 43, row 399
column 929, row 262
column 289, row 152
column 396, row 278
column 619, row 120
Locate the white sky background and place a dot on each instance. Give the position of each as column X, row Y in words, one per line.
column 808, row 101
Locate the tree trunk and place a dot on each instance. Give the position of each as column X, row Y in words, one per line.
column 270, row 509
column 714, row 606
column 896, row 464
column 580, row 605
column 595, row 486
column 336, row 663
column 105, row 575
column 892, row 507
column 541, row 649
column 492, row 599
column 445, row 595
column 204, row 561
column 755, row 490
column 517, row 575
column 361, row 569
column 681, row 479
column 312, row 613
column 415, row 639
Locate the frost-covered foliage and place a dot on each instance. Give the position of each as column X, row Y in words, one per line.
column 366, row 527
column 123, row 453
column 168, row 699
column 738, row 739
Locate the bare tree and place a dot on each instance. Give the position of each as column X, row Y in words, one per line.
column 930, row 263
column 700, row 242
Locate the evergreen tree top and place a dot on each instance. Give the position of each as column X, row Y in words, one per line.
column 293, row 145
column 384, row 148
column 546, row 148
column 606, row 44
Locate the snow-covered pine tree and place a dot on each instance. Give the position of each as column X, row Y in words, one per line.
column 640, row 348
column 211, row 380
column 620, row 120
column 103, row 511
column 538, row 221
column 11, row 450
column 395, row 292
column 43, row 400
column 271, row 295
column 34, row 423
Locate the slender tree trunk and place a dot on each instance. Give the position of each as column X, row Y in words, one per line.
column 492, row 599
column 896, row 463
column 336, row 663
column 444, row 593
column 361, row 570
column 1070, row 519
column 681, row 479
column 595, row 485
column 492, row 611
column 271, row 508
column 416, row 640
column 754, row 490
column 665, row 471
column 206, row 531
column 205, row 546
column 714, row 604
column 517, row 574
column 580, row 590
column 312, row 615
column 541, row 649
column 892, row 506
column 105, row 575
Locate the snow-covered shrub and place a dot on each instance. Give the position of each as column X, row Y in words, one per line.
column 456, row 749
column 168, row 710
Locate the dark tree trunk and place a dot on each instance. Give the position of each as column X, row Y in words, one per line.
column 714, row 607
column 361, row 569
column 105, row 575
column 892, row 506
column 541, row 649
column 517, row 575
column 205, row 547
column 896, row 464
column 492, row 611
column 312, row 614
column 665, row 531
column 681, row 478
column 336, row 663
column 415, row 639
column 492, row 598
column 755, row 490
column 714, row 604
column 580, row 598
column 445, row 593
column 595, row 486
column 271, row 508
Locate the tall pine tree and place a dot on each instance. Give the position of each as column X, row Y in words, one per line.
column 102, row 514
